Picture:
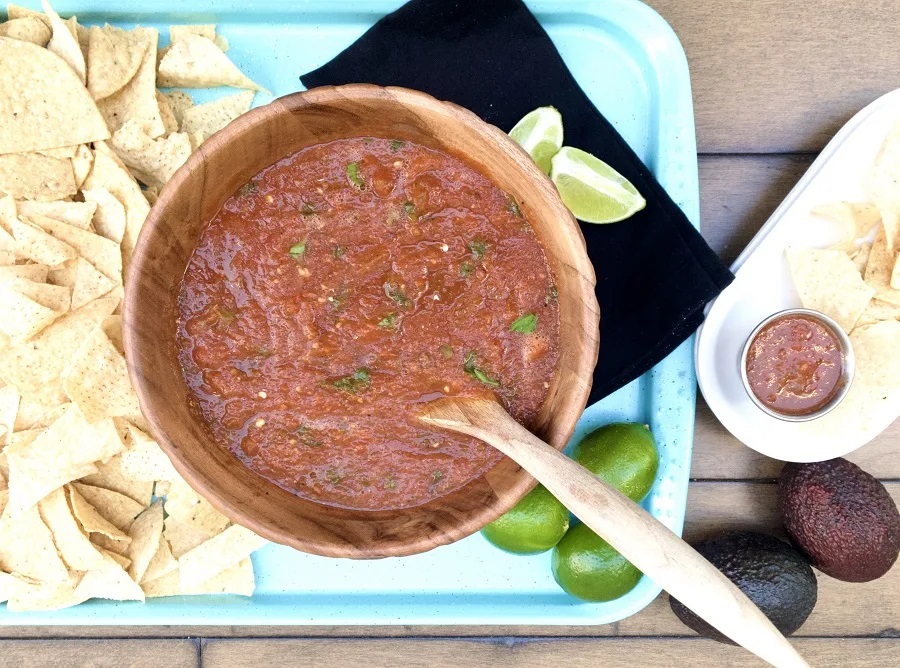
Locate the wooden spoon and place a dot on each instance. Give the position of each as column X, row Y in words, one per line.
column 644, row 541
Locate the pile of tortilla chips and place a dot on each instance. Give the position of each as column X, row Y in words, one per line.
column 91, row 507
column 857, row 283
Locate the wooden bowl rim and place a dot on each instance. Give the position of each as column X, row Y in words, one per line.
column 586, row 358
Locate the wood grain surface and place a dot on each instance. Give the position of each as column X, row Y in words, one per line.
column 773, row 80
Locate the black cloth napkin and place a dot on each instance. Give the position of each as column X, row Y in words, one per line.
column 654, row 271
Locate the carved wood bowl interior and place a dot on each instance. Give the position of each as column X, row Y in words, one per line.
column 194, row 195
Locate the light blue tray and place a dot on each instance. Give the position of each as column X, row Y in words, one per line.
column 631, row 65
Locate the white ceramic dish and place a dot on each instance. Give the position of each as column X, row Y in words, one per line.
column 763, row 286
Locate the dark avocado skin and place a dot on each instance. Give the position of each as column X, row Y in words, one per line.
column 841, row 517
column 770, row 572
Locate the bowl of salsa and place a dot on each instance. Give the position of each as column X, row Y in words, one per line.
column 314, row 275
column 797, row 365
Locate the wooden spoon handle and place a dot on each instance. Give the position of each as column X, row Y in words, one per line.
column 638, row 536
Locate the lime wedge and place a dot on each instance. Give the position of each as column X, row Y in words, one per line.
column 592, row 190
column 540, row 133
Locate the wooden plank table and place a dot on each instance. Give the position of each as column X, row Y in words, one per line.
column 773, row 81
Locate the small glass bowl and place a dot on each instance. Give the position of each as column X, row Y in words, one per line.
column 848, row 367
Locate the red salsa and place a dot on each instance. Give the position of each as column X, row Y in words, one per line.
column 794, row 365
column 339, row 290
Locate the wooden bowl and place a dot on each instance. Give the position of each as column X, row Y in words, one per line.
column 196, row 193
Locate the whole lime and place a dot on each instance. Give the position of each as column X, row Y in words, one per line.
column 587, row 567
column 623, row 454
column 532, row 526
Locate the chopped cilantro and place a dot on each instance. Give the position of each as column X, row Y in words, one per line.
column 338, row 252
column 524, row 325
column 354, row 177
column 307, row 209
column 397, row 144
column 446, row 350
column 389, row 321
column 307, row 437
column 298, row 250
column 410, row 209
column 478, row 248
column 248, row 188
column 396, row 294
column 358, row 380
column 552, row 295
column 513, row 207
column 479, row 374
column 466, row 269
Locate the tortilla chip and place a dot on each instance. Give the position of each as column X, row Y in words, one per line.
column 178, row 32
column 81, row 164
column 90, row 518
column 112, row 327
column 26, row 29
column 167, row 113
column 35, row 368
column 216, row 554
column 64, row 42
column 856, row 220
column 895, row 274
column 85, row 282
column 137, row 99
column 35, row 176
column 45, row 595
column 117, row 508
column 109, row 582
column 879, row 269
column 195, row 61
column 61, row 152
column 191, row 509
column 143, row 460
column 165, row 585
column 23, row 317
column 72, row 542
column 110, row 174
column 875, row 348
column 152, row 161
column 35, row 414
column 109, row 219
column 877, row 311
column 97, row 380
column 9, row 407
column 27, row 548
column 66, row 451
column 111, row 476
column 33, row 243
column 99, row 251
column 162, row 562
column 152, row 194
column 182, row 538
column 20, row 12
column 124, row 562
column 77, row 214
column 53, row 297
column 828, row 281
column 211, row 117
column 14, row 585
column 45, row 105
column 179, row 102
column 238, row 579
column 33, row 272
column 114, row 56
column 145, row 533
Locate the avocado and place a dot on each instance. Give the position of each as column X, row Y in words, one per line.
column 841, row 517
column 770, row 572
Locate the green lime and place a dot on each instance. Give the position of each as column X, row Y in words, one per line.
column 587, row 567
column 592, row 190
column 534, row 525
column 623, row 454
column 540, row 133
